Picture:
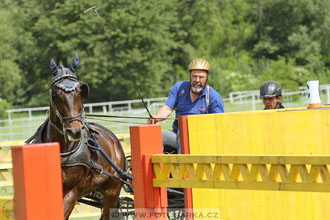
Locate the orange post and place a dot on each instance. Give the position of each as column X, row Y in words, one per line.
column 149, row 202
column 184, row 134
column 37, row 182
column 184, row 144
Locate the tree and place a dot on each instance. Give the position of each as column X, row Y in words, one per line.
column 296, row 30
column 142, row 43
column 10, row 73
column 153, row 42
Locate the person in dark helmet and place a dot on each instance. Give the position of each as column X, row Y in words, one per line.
column 271, row 93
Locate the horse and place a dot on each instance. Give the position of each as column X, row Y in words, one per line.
column 83, row 169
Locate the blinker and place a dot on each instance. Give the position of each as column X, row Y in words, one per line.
column 67, row 85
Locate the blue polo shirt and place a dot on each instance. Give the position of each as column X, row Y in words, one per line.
column 179, row 100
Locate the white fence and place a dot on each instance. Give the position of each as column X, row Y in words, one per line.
column 27, row 120
column 90, row 107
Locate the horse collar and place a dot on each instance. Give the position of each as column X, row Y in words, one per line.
column 79, row 156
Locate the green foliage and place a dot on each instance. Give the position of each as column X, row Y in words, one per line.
column 283, row 72
column 140, row 42
column 10, row 73
column 233, row 73
column 4, row 105
column 153, row 42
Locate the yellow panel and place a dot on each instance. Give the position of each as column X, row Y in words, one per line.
column 11, row 143
column 275, row 132
column 6, row 208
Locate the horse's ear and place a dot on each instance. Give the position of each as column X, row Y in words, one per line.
column 74, row 64
column 84, row 90
column 53, row 67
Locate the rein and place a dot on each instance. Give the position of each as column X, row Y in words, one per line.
column 115, row 116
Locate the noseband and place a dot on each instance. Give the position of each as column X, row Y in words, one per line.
column 66, row 120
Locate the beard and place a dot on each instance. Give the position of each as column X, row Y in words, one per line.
column 197, row 90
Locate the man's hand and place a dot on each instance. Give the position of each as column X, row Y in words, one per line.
column 152, row 120
column 161, row 115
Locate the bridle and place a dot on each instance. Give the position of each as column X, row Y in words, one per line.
column 66, row 120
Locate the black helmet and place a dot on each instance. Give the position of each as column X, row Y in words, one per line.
column 270, row 89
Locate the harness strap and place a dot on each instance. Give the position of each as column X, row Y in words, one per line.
column 180, row 93
column 91, row 143
column 57, row 129
column 208, row 96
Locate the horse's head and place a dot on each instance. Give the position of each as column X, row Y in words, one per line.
column 66, row 100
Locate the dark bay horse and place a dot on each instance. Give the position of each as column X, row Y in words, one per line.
column 82, row 168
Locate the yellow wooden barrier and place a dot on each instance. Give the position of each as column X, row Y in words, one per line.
column 5, row 155
column 124, row 144
column 280, row 173
column 6, row 208
column 79, row 211
column 6, row 177
column 271, row 132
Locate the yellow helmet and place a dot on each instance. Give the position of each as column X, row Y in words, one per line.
column 199, row 64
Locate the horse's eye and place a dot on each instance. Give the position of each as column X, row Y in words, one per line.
column 55, row 93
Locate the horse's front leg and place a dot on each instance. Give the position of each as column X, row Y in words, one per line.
column 110, row 199
column 69, row 201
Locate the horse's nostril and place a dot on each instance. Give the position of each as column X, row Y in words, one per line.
column 75, row 133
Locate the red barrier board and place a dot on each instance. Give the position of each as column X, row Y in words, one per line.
column 37, row 182
column 147, row 140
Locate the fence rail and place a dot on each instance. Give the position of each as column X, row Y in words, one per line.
column 106, row 106
column 23, row 126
